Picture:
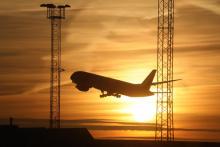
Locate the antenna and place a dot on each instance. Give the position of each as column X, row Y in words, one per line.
column 55, row 13
column 164, row 116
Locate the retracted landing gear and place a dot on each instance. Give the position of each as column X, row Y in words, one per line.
column 117, row 95
column 103, row 94
column 107, row 94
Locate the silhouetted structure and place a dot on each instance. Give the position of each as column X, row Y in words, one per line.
column 55, row 13
column 77, row 137
column 164, row 117
column 10, row 125
column 42, row 137
column 11, row 121
column 144, row 143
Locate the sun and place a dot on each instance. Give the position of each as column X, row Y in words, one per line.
column 142, row 109
column 143, row 112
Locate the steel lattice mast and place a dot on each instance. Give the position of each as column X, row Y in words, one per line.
column 164, row 117
column 55, row 13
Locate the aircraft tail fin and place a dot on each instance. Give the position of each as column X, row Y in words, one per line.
column 148, row 81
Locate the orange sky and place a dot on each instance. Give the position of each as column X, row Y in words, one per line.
column 114, row 38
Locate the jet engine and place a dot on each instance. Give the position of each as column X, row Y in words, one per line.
column 82, row 87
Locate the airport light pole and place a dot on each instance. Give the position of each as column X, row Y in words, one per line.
column 55, row 13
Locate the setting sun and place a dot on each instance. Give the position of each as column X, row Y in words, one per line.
column 141, row 109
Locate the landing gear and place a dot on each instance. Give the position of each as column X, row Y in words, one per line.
column 103, row 95
column 107, row 94
column 117, row 95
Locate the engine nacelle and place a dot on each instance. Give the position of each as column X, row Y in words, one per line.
column 82, row 87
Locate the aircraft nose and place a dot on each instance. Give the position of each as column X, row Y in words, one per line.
column 74, row 76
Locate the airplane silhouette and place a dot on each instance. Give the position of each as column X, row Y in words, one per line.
column 113, row 87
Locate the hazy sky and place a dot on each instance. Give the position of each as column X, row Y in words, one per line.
column 115, row 38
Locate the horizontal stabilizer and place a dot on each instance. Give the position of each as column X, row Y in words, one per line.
column 157, row 83
column 161, row 92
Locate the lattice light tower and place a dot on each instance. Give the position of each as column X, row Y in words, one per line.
column 55, row 13
column 164, row 117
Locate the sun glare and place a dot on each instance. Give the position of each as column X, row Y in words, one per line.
column 143, row 112
column 142, row 109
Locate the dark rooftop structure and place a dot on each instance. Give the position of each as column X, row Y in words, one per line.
column 44, row 137
column 77, row 137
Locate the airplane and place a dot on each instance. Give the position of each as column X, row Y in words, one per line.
column 84, row 81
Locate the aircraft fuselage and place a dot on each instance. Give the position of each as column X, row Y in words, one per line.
column 85, row 80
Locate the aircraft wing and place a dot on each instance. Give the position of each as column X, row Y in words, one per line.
column 157, row 83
